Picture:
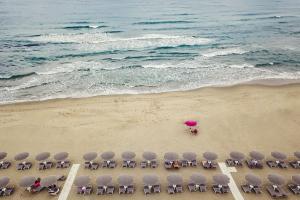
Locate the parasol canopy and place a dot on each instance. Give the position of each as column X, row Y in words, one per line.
column 198, row 179
column 90, row 156
column 256, row 155
column 108, row 155
column 235, row 155
column 50, row 180
column 278, row 155
column 253, row 180
column 171, row 156
column 27, row 181
column 174, row 179
column 221, row 179
column 125, row 180
column 149, row 155
column 3, row 155
column 4, row 181
column 189, row 156
column 150, row 179
column 21, row 156
column 190, row 123
column 82, row 181
column 42, row 156
column 61, row 156
column 210, row 156
column 104, row 180
column 276, row 179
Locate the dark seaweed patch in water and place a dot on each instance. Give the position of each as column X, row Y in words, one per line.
column 113, row 31
column 267, row 64
column 163, row 22
column 18, row 76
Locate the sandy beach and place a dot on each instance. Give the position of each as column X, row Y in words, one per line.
column 242, row 118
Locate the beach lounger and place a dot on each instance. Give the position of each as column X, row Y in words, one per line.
column 295, row 186
column 6, row 191
column 109, row 164
column 153, row 164
column 5, row 164
column 254, row 164
column 295, row 164
column 217, row 189
column 86, row 191
column 156, row 188
column 122, row 189
column 171, row 190
column 209, row 164
column 130, row 189
column 295, row 189
column 110, row 189
column 144, row 164
column 276, row 164
column 234, row 163
column 276, row 192
column 168, row 164
column 100, row 190
column 63, row 164
column 179, row 189
column 147, row 190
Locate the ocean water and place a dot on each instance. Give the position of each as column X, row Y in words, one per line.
column 75, row 48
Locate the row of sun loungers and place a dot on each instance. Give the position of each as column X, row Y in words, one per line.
column 42, row 158
column 197, row 183
column 171, row 160
column 32, row 185
column 151, row 184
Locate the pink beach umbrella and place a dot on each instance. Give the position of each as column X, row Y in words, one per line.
column 191, row 123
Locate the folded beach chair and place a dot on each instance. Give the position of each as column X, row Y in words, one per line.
column 189, row 159
column 253, row 184
column 279, row 161
column 220, row 185
column 61, row 160
column 256, row 160
column 104, row 185
column 128, row 161
column 149, row 160
column 24, row 165
column 209, row 163
column 294, row 187
column 275, row 189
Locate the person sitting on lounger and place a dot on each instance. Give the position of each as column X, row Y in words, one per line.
column 36, row 186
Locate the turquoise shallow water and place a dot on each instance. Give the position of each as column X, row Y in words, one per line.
column 75, row 48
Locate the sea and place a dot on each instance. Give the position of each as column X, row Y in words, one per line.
column 79, row 48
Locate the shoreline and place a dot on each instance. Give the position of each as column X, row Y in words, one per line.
column 272, row 82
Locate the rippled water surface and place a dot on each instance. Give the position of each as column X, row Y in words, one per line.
column 52, row 49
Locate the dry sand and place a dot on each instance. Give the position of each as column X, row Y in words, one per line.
column 243, row 118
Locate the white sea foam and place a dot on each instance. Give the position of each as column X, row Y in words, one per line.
column 100, row 41
column 223, row 52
